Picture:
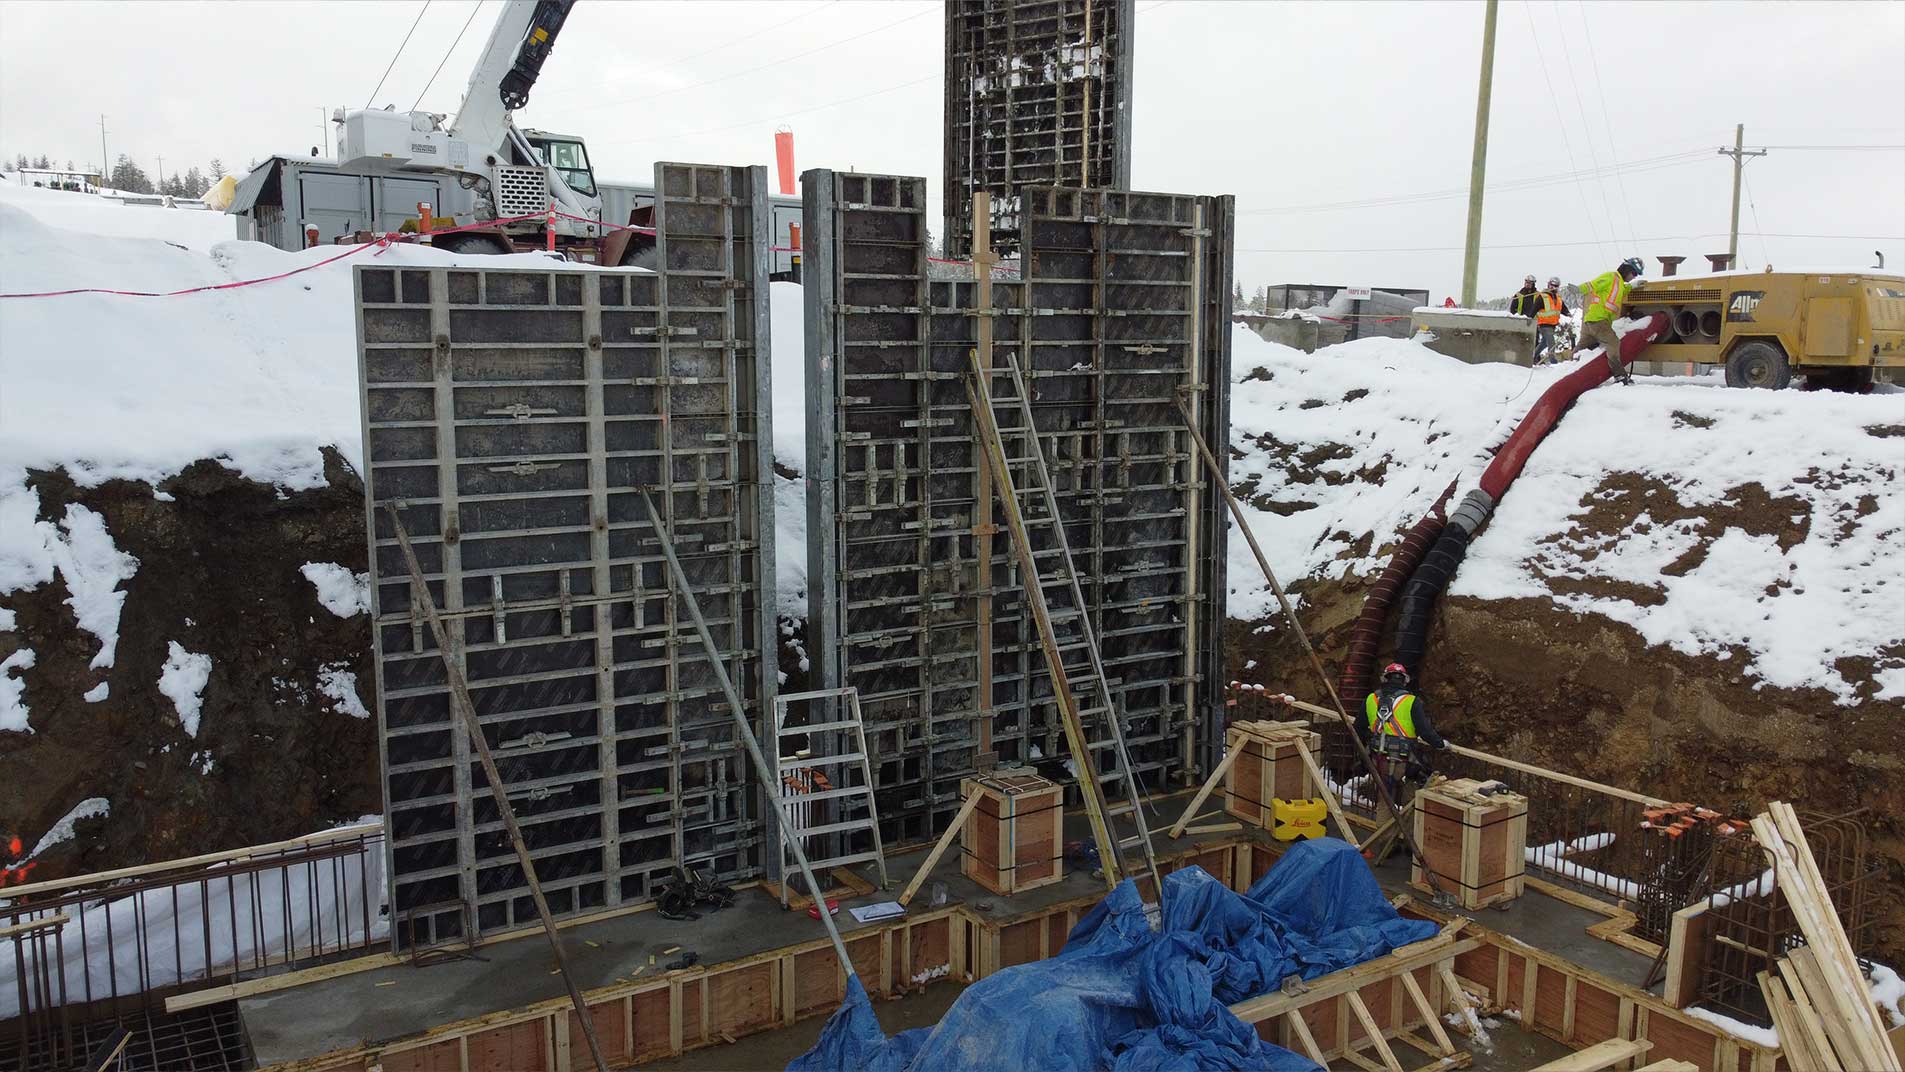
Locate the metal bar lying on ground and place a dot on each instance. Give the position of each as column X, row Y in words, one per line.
column 466, row 709
column 686, row 594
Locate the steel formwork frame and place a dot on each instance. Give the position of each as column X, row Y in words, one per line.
column 915, row 597
column 1038, row 93
column 513, row 418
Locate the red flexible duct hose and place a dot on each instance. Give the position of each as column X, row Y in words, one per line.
column 1554, row 402
column 1366, row 634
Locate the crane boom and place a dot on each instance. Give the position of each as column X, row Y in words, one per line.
column 507, row 69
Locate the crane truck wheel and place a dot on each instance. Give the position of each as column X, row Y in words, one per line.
column 475, row 245
column 1758, row 364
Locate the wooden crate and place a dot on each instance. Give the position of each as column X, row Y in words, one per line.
column 1267, row 768
column 1474, row 844
column 1014, row 838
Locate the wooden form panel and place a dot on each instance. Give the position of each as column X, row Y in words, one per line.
column 1578, row 1006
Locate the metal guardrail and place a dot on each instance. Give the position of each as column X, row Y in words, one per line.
column 79, row 951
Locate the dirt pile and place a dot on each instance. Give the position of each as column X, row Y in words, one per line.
column 219, row 574
column 1536, row 681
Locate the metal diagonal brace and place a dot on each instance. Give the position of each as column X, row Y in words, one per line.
column 466, row 708
column 766, row 773
column 1289, row 612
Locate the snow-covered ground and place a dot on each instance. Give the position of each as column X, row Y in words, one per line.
column 263, row 377
column 1379, row 427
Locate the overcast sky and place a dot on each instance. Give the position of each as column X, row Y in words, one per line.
column 1344, row 129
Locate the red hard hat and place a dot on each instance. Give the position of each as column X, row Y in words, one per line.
column 1395, row 668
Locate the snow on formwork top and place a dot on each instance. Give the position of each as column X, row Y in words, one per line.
column 1711, row 520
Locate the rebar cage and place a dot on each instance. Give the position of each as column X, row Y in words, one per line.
column 914, row 598
column 512, row 417
column 1038, row 93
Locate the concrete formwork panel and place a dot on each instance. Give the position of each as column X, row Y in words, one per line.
column 513, row 416
column 1038, row 93
column 916, row 597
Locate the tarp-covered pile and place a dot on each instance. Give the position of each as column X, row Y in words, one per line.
column 1125, row 997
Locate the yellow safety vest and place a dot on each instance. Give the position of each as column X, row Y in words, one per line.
column 1399, row 721
column 1606, row 294
column 1550, row 309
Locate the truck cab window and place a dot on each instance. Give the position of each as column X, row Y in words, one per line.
column 571, row 161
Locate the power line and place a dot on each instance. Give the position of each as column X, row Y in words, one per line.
column 783, row 115
column 446, row 53
column 1879, row 148
column 725, row 45
column 400, row 47
column 1567, row 144
column 754, row 70
column 1600, row 88
column 1655, row 163
column 1763, row 254
column 1567, row 245
column 1587, row 132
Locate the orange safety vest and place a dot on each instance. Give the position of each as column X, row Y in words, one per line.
column 1550, row 309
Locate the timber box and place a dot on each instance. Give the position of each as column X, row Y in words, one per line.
column 1268, row 767
column 1473, row 843
column 1014, row 838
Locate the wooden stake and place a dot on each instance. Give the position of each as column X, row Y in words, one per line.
column 499, row 790
column 939, row 847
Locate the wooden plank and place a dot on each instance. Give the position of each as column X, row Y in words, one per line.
column 1434, row 1022
column 1795, row 1038
column 1301, row 1030
column 1817, row 1030
column 1670, row 1065
column 1687, row 948
column 44, row 923
column 1258, row 1009
column 1374, row 1034
column 1598, row 1056
column 1329, row 798
column 1204, row 792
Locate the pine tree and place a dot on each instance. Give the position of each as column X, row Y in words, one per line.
column 196, row 183
column 218, row 169
column 127, row 176
column 23, row 162
column 44, row 163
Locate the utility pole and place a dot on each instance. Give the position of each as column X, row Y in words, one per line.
column 324, row 129
column 160, row 185
column 1739, row 153
column 1472, row 255
column 105, row 165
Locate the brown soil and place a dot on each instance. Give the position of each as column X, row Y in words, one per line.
column 1534, row 681
column 219, row 573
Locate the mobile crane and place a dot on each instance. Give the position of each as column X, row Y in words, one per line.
column 478, row 168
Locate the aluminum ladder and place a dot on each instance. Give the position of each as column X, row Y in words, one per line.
column 796, row 794
column 1093, row 724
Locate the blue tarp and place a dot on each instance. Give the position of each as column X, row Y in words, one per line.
column 1125, row 997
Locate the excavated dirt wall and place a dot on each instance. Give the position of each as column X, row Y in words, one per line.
column 219, row 573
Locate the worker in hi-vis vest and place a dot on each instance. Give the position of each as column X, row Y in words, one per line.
column 1396, row 726
column 1548, row 314
column 1605, row 294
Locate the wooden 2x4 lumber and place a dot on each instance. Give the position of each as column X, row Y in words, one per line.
column 1259, row 1009
column 1210, row 783
column 1373, row 1033
column 939, row 847
column 1832, row 942
column 1598, row 1056
column 1801, row 1036
column 1444, row 1044
column 1329, row 798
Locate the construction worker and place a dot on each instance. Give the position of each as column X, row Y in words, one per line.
column 1524, row 301
column 1396, row 726
column 1547, row 319
column 1606, row 293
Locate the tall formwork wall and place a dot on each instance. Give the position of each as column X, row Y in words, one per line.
column 1038, row 93
column 513, row 417
column 916, row 597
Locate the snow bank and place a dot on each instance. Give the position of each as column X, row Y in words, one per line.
column 62, row 831
column 91, row 214
column 182, row 679
column 1360, row 438
column 78, row 549
column 342, row 592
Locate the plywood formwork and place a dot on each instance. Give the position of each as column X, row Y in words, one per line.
column 915, row 597
column 1038, row 93
column 511, row 417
